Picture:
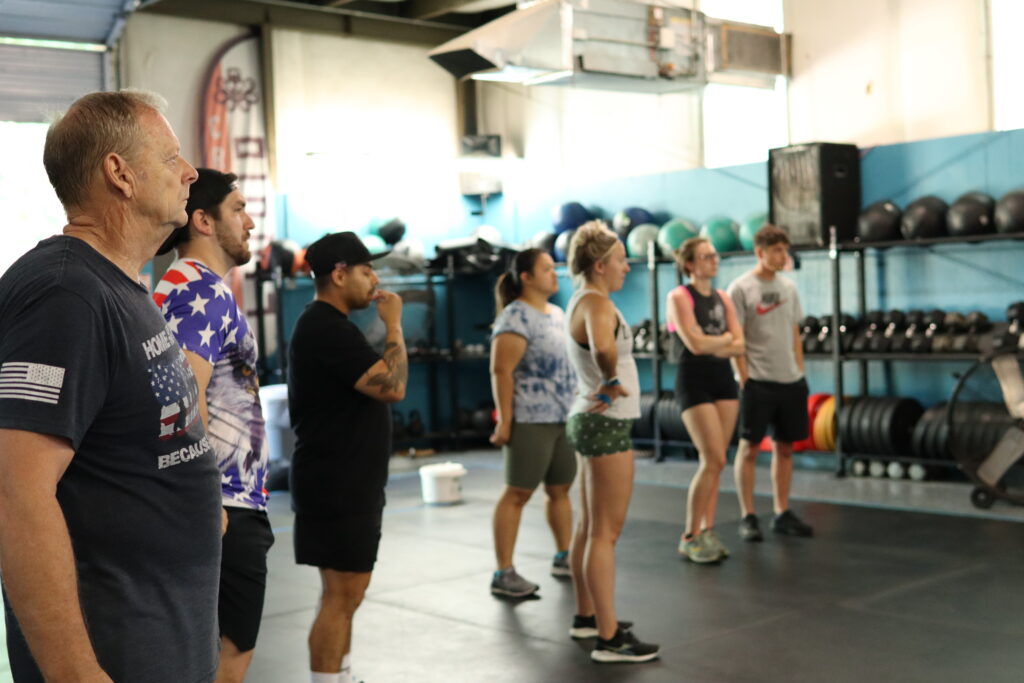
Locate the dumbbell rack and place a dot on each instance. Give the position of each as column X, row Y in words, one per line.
column 838, row 356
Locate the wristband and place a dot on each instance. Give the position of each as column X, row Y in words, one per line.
column 613, row 382
column 604, row 398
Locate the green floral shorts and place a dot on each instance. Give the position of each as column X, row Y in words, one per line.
column 594, row 434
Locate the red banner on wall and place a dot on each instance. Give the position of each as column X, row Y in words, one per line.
column 233, row 131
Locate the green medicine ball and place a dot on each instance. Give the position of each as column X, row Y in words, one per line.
column 638, row 239
column 749, row 228
column 674, row 233
column 721, row 232
column 374, row 243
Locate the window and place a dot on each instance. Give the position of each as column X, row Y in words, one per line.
column 31, row 209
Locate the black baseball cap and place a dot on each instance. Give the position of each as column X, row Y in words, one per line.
column 339, row 247
column 208, row 191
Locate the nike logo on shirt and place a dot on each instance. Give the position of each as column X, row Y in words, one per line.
column 762, row 308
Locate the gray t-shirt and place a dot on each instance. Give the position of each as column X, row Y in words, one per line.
column 769, row 311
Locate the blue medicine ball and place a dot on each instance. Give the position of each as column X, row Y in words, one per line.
column 629, row 218
column 570, row 216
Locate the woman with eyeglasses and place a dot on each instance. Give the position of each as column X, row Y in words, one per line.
column 706, row 322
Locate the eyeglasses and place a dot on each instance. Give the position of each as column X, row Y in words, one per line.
column 708, row 257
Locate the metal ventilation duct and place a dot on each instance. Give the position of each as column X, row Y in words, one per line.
column 607, row 44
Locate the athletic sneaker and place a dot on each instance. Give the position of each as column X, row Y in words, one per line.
column 560, row 565
column 789, row 524
column 696, row 550
column 711, row 540
column 749, row 528
column 623, row 647
column 507, row 583
column 586, row 627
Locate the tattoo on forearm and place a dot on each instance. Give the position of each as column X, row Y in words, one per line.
column 398, row 368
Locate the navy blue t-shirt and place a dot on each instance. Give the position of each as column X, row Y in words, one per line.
column 86, row 355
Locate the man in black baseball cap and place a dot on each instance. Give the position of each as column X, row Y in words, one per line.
column 339, row 389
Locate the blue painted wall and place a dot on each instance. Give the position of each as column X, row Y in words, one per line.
column 982, row 277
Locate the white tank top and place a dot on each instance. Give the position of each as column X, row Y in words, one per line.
column 589, row 375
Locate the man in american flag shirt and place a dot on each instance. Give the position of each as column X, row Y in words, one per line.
column 220, row 346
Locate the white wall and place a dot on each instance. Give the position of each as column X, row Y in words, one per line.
column 568, row 136
column 170, row 56
column 884, row 71
column 364, row 129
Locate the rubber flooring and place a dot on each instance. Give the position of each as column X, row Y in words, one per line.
column 878, row 595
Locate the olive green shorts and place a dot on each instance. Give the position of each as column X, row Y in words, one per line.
column 538, row 453
column 594, row 434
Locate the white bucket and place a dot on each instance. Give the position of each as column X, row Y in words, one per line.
column 441, row 483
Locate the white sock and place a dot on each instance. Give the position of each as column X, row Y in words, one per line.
column 317, row 677
column 346, row 670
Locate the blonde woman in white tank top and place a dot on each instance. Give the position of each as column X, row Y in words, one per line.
column 599, row 426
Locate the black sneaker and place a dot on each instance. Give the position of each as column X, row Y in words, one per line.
column 789, row 524
column 749, row 529
column 586, row 627
column 623, row 647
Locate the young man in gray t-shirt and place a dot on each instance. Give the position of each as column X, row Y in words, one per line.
column 771, row 375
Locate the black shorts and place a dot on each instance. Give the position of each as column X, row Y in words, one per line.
column 783, row 407
column 345, row 543
column 706, row 382
column 243, row 576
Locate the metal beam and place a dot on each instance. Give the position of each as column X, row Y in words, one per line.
column 428, row 9
column 283, row 14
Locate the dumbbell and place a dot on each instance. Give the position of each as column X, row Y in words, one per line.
column 641, row 335
column 876, row 468
column 954, row 324
column 809, row 328
column 1015, row 316
column 892, row 325
column 917, row 472
column 870, row 325
column 859, row 468
column 934, row 324
column 847, row 331
column 895, row 470
column 914, row 323
column 976, row 323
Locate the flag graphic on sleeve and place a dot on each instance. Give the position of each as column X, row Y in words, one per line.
column 31, row 382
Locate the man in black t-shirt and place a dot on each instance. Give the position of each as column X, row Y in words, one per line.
column 109, row 492
column 339, row 389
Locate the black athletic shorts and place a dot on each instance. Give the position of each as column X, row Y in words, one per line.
column 698, row 383
column 783, row 407
column 243, row 576
column 345, row 544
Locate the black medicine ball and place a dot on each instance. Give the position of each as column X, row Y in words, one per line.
column 879, row 222
column 924, row 217
column 971, row 214
column 1010, row 212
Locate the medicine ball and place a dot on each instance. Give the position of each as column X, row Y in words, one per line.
column 1010, row 212
column 629, row 218
column 392, row 231
column 749, row 228
column 674, row 233
column 544, row 240
column 561, row 251
column 924, row 217
column 879, row 222
column 721, row 232
column 638, row 239
column 971, row 214
column 570, row 216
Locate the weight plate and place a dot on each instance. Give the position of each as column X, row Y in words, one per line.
column 920, row 429
column 865, row 425
column 905, row 415
column 854, row 429
column 844, row 423
column 827, row 415
column 879, row 433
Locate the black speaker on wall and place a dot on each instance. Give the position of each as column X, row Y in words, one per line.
column 813, row 187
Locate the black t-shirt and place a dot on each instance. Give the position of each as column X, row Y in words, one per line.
column 85, row 355
column 343, row 437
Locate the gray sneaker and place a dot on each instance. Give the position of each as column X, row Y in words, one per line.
column 697, row 551
column 712, row 541
column 508, row 584
column 560, row 566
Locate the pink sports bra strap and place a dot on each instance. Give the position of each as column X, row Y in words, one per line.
column 670, row 326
